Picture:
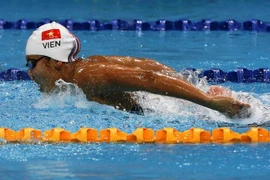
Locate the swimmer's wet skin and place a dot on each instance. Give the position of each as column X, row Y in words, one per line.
column 110, row 79
column 231, row 107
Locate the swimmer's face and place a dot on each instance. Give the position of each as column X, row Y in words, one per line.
column 42, row 71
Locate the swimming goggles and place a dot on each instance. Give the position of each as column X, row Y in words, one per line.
column 31, row 63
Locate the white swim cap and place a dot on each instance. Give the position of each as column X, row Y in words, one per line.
column 55, row 41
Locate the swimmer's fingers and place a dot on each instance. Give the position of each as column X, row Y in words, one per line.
column 230, row 107
column 245, row 112
column 239, row 111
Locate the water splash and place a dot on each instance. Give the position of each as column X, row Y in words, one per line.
column 260, row 106
column 167, row 106
column 69, row 95
column 64, row 95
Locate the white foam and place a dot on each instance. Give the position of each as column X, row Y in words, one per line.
column 167, row 106
column 69, row 95
column 64, row 95
column 260, row 108
column 162, row 105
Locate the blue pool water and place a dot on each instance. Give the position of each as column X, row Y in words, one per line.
column 22, row 105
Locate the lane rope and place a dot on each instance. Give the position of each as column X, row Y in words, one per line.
column 141, row 25
column 213, row 75
column 140, row 135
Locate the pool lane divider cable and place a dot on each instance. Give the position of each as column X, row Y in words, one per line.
column 140, row 135
column 141, row 25
column 213, row 75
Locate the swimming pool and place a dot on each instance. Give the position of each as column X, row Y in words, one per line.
column 22, row 105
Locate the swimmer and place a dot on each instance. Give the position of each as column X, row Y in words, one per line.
column 51, row 55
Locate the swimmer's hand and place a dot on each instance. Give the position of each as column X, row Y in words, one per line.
column 230, row 107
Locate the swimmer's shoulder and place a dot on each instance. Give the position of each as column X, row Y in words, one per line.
column 96, row 58
column 121, row 60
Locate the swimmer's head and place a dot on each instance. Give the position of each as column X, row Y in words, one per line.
column 55, row 41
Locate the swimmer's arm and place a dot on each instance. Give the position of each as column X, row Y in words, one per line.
column 123, row 78
column 165, row 85
column 131, row 79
